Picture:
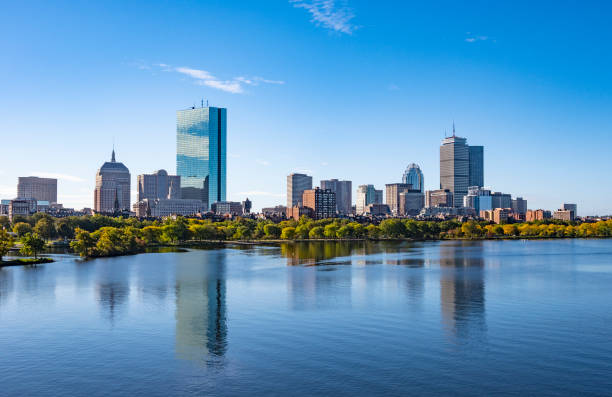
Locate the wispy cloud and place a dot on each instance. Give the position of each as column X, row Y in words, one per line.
column 474, row 38
column 202, row 77
column 261, row 193
column 262, row 162
column 329, row 14
column 65, row 177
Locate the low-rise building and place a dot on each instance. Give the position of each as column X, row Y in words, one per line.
column 376, row 209
column 299, row 211
column 537, row 215
column 279, row 211
column 159, row 208
column 498, row 215
column 22, row 206
column 233, row 208
column 564, row 215
column 439, row 198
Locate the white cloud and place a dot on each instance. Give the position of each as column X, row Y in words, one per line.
column 261, row 193
column 262, row 162
column 328, row 14
column 473, row 38
column 205, row 78
column 65, row 177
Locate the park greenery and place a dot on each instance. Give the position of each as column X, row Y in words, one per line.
column 98, row 236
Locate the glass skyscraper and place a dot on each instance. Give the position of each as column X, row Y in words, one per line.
column 201, row 142
column 476, row 177
column 414, row 176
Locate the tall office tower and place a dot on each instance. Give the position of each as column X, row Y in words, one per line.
column 112, row 192
column 367, row 194
column 296, row 184
column 457, row 171
column 344, row 195
column 476, row 166
column 501, row 200
column 201, row 153
column 393, row 195
column 519, row 206
column 571, row 207
column 414, row 176
column 159, row 185
column 41, row 189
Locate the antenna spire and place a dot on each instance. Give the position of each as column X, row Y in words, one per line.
column 453, row 128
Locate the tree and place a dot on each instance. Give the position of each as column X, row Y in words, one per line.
column 272, row 231
column 344, row 231
column 372, row 231
column 316, row 232
column 288, row 233
column 45, row 228
column 65, row 229
column 4, row 222
column 393, row 228
column 84, row 243
column 22, row 228
column 302, row 230
column 32, row 244
column 176, row 231
column 471, row 229
column 330, row 230
column 6, row 243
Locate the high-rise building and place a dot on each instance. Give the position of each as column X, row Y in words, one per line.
column 457, row 171
column 296, row 184
column 501, row 200
column 159, row 185
column 343, row 190
column 41, row 189
column 201, row 153
column 322, row 202
column 414, row 176
column 112, row 192
column 411, row 202
column 478, row 198
column 476, row 174
column 519, row 206
column 393, row 191
column 367, row 194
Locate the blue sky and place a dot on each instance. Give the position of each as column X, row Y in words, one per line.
column 347, row 89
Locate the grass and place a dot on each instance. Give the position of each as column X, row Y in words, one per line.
column 26, row 261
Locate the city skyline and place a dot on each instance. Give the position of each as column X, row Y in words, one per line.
column 520, row 96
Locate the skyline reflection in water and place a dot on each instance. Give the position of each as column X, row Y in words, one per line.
column 386, row 318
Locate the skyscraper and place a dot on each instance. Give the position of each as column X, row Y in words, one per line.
column 367, row 194
column 476, row 166
column 112, row 192
column 343, row 190
column 159, row 185
column 393, row 191
column 41, row 189
column 414, row 176
column 201, row 153
column 296, row 184
column 457, row 171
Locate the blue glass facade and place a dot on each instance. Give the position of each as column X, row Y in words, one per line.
column 414, row 176
column 201, row 142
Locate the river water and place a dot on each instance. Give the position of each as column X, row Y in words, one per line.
column 433, row 318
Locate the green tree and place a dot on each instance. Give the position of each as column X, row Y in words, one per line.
column 6, row 243
column 64, row 228
column 176, row 231
column 32, row 244
column 345, row 231
column 4, row 222
column 272, row 231
column 151, row 234
column 330, row 230
column 302, row 230
column 84, row 243
column 316, row 232
column 288, row 233
column 22, row 228
column 372, row 231
column 393, row 228
column 45, row 228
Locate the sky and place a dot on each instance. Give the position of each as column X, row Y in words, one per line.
column 350, row 89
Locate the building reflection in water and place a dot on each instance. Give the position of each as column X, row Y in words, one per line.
column 6, row 284
column 112, row 286
column 324, row 287
column 462, row 288
column 201, row 324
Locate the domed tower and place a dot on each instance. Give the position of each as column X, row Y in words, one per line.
column 112, row 193
column 414, row 176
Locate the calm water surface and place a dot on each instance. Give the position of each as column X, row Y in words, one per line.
column 448, row 318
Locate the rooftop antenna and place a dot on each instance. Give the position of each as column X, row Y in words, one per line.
column 453, row 128
column 207, row 103
column 113, row 155
column 202, row 102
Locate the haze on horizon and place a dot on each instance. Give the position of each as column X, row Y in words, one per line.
column 338, row 89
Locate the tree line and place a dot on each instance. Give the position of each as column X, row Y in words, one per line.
column 99, row 235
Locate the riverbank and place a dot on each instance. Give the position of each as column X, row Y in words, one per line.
column 26, row 261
